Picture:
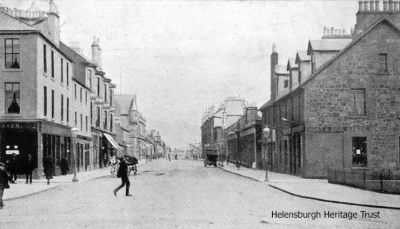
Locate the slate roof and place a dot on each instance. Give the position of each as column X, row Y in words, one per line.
column 302, row 56
column 327, row 45
column 124, row 103
column 281, row 69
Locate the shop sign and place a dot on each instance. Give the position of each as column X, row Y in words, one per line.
column 6, row 125
column 14, row 151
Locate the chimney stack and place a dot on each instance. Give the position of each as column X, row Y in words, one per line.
column 385, row 5
column 96, row 52
column 396, row 6
column 371, row 5
column 377, row 8
column 274, row 62
column 366, row 6
column 360, row 6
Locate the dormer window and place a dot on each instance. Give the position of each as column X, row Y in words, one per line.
column 12, row 53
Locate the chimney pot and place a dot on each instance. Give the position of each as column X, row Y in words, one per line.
column 371, row 5
column 366, row 8
column 376, row 5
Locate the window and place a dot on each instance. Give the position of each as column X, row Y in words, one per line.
column 111, row 97
column 86, row 123
column 62, row 70
column 67, row 109
column 52, row 63
column 105, row 93
column 12, row 53
column 75, row 90
column 62, row 107
column 358, row 101
column 81, row 123
column 286, row 83
column 111, row 123
column 67, row 74
column 80, row 95
column 382, row 62
column 86, row 97
column 45, row 101
column 359, row 151
column 12, row 96
column 91, row 113
column 52, row 104
column 76, row 119
column 98, row 86
column 98, row 117
column 89, row 79
column 105, row 120
column 45, row 58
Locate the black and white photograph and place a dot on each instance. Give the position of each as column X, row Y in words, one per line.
column 231, row 114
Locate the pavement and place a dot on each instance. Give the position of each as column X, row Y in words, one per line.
column 20, row 189
column 319, row 189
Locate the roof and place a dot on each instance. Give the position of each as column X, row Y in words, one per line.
column 281, row 69
column 266, row 104
column 291, row 64
column 327, row 45
column 9, row 22
column 337, row 56
column 302, row 56
column 124, row 103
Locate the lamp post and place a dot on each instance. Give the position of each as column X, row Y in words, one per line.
column 238, row 148
column 74, row 130
column 266, row 132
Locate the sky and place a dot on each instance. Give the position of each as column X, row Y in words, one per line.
column 180, row 56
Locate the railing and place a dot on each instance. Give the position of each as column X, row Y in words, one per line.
column 386, row 181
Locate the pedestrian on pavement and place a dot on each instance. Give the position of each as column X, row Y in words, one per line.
column 29, row 167
column 48, row 168
column 123, row 174
column 113, row 163
column 64, row 166
column 12, row 167
column 4, row 178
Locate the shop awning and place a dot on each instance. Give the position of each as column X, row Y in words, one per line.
column 112, row 141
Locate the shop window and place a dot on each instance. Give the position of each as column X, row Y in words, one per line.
column 358, row 101
column 12, row 96
column 359, row 151
column 12, row 53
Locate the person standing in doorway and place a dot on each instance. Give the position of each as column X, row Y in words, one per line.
column 48, row 168
column 64, row 166
column 123, row 174
column 4, row 178
column 29, row 167
column 12, row 166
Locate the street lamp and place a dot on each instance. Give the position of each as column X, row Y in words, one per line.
column 266, row 132
column 74, row 130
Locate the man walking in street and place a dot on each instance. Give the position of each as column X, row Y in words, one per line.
column 4, row 178
column 48, row 168
column 29, row 166
column 123, row 174
column 12, row 166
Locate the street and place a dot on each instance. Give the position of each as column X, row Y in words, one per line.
column 177, row 194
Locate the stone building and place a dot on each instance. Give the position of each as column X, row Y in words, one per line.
column 45, row 92
column 344, row 115
column 214, row 124
column 247, row 149
column 129, row 117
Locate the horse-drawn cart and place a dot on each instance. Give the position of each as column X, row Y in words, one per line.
column 210, row 158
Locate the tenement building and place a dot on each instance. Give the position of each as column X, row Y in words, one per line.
column 344, row 111
column 214, row 126
column 45, row 92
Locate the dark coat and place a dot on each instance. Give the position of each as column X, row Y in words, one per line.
column 123, row 169
column 29, row 165
column 64, row 166
column 4, row 178
column 48, row 166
